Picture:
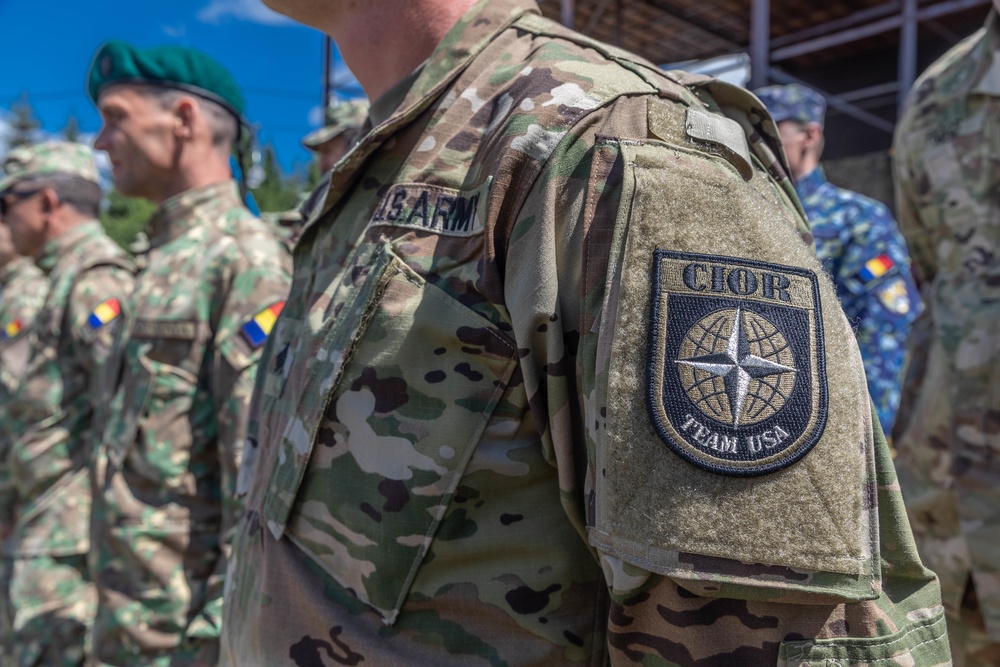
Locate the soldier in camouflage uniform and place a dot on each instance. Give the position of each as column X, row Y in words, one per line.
column 22, row 291
column 858, row 243
column 558, row 381
column 344, row 123
column 212, row 280
column 342, row 126
column 948, row 201
column 51, row 195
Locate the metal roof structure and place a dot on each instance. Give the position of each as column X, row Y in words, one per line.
column 862, row 54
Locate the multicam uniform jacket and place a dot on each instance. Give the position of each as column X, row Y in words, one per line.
column 861, row 248
column 550, row 381
column 210, row 284
column 947, row 147
column 22, row 291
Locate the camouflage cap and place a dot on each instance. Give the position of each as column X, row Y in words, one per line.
column 793, row 102
column 177, row 67
column 339, row 118
column 53, row 157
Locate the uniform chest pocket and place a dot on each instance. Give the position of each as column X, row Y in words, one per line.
column 158, row 382
column 419, row 380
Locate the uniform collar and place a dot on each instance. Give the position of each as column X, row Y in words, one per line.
column 57, row 248
column 810, row 183
column 470, row 35
column 176, row 215
column 987, row 51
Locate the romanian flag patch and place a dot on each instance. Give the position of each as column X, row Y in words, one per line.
column 11, row 330
column 259, row 326
column 104, row 313
column 876, row 268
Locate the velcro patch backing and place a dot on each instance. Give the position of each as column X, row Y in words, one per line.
column 737, row 373
column 809, row 526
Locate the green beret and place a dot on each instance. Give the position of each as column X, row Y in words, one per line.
column 339, row 118
column 167, row 66
column 48, row 159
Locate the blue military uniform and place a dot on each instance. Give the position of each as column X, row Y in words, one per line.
column 861, row 248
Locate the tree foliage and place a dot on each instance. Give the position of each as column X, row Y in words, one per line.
column 276, row 192
column 24, row 125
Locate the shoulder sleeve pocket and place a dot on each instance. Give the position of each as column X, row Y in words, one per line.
column 738, row 454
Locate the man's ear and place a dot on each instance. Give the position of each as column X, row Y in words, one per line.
column 814, row 135
column 185, row 112
column 49, row 200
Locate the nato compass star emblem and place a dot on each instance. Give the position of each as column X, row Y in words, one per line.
column 737, row 367
column 737, row 372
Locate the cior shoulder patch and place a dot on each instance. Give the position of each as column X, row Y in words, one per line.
column 737, row 370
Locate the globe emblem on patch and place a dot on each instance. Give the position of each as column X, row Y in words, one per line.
column 736, row 367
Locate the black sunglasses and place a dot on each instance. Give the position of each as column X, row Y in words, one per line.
column 6, row 205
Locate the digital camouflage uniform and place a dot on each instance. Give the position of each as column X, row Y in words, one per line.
column 175, row 425
column 22, row 290
column 861, row 248
column 947, row 152
column 469, row 446
column 51, row 598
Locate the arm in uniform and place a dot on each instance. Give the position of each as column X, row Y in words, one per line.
column 253, row 299
column 880, row 299
column 735, row 518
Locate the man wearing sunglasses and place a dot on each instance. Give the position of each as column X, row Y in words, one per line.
column 49, row 198
column 22, row 291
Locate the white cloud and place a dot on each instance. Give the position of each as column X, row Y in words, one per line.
column 174, row 31
column 244, row 10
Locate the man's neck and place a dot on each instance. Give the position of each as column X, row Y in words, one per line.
column 200, row 174
column 382, row 42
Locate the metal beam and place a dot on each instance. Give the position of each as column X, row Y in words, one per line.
column 837, row 102
column 849, row 21
column 326, row 71
column 907, row 66
column 567, row 12
column 707, row 28
column 760, row 45
column 869, row 92
column 885, row 25
column 596, row 16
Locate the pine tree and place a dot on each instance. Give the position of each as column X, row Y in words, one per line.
column 71, row 132
column 276, row 193
column 24, row 123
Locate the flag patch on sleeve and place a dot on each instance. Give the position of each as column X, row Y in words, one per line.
column 104, row 313
column 11, row 330
column 876, row 268
column 256, row 329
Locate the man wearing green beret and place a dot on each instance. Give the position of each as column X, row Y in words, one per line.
column 212, row 282
column 49, row 198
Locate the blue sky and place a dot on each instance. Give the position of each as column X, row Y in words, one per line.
column 46, row 47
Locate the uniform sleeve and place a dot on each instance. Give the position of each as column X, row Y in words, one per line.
column 93, row 314
column 737, row 492
column 259, row 284
column 919, row 237
column 880, row 299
